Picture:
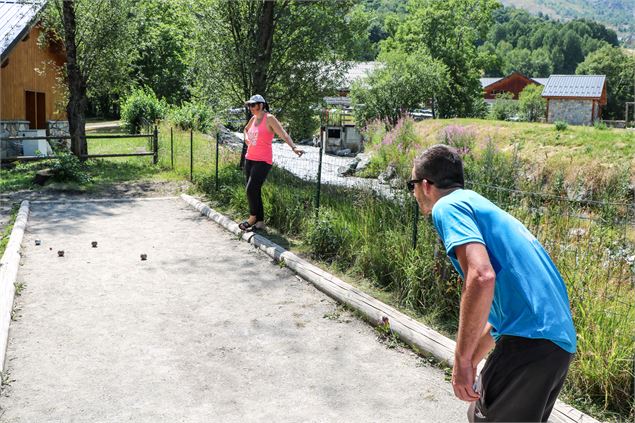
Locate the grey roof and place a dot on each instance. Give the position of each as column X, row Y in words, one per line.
column 486, row 82
column 337, row 101
column 357, row 71
column 16, row 19
column 574, row 86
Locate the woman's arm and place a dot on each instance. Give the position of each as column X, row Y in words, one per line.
column 275, row 127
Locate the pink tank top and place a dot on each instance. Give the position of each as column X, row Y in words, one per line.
column 260, row 138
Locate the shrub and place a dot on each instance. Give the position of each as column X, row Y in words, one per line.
column 196, row 116
column 459, row 137
column 600, row 125
column 141, row 110
column 561, row 125
column 301, row 122
column 531, row 105
column 505, row 107
column 325, row 237
column 68, row 168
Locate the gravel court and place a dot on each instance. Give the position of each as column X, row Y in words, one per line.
column 207, row 329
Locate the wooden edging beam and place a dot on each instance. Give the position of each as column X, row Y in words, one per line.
column 421, row 338
column 9, row 264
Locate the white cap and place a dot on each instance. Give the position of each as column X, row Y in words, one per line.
column 256, row 99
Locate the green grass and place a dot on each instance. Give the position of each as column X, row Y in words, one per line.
column 106, row 171
column 577, row 151
column 5, row 236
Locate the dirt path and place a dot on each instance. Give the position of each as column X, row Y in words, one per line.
column 207, row 329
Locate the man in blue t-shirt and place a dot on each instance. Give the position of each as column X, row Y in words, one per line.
column 514, row 299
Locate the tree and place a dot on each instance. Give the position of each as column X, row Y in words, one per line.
column 98, row 40
column 518, row 60
column 531, row 105
column 448, row 31
column 619, row 70
column 405, row 82
column 572, row 49
column 504, row 107
column 290, row 52
column 164, row 31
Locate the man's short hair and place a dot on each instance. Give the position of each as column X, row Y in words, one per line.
column 441, row 165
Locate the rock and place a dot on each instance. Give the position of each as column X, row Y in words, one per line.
column 349, row 169
column 577, row 232
column 42, row 176
column 343, row 153
column 305, row 141
column 228, row 138
column 396, row 183
column 387, row 175
column 363, row 161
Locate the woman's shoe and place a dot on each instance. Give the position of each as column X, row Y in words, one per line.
column 245, row 226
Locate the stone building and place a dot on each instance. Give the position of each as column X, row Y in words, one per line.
column 575, row 99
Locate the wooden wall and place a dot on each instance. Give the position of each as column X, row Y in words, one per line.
column 31, row 68
column 514, row 84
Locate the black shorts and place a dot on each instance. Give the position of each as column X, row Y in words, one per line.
column 521, row 381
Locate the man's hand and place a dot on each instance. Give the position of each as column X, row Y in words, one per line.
column 463, row 377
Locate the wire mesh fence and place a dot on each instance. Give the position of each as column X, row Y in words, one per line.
column 371, row 228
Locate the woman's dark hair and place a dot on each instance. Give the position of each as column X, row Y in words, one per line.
column 441, row 165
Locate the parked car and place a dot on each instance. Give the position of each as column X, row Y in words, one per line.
column 420, row 114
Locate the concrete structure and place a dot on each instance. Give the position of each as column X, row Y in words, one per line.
column 338, row 131
column 575, row 99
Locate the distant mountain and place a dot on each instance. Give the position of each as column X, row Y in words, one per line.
column 617, row 14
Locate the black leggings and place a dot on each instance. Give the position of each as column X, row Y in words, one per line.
column 256, row 173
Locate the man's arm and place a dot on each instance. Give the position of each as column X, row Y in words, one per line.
column 476, row 301
column 485, row 344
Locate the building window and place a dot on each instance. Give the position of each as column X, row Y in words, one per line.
column 35, row 109
column 333, row 133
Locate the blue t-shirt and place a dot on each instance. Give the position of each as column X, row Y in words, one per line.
column 530, row 297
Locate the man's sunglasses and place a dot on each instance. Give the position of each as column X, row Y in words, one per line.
column 411, row 183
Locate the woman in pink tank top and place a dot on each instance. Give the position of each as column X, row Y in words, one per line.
column 259, row 134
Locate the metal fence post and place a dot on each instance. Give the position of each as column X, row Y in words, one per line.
column 155, row 145
column 217, row 149
column 319, row 177
column 191, row 154
column 172, row 147
column 415, row 226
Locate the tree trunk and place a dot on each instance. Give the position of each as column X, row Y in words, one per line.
column 264, row 47
column 76, row 108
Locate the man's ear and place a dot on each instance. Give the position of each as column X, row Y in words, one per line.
column 427, row 187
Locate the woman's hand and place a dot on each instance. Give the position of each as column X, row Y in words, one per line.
column 297, row 151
